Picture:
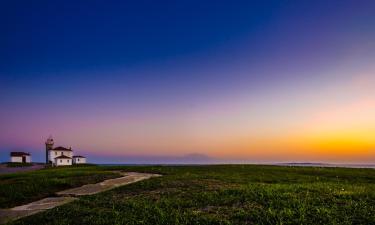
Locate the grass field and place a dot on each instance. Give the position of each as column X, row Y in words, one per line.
column 230, row 194
column 25, row 187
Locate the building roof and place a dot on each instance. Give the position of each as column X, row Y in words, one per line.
column 19, row 153
column 78, row 156
column 63, row 157
column 62, row 149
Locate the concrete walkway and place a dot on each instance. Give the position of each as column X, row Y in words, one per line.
column 70, row 195
column 91, row 189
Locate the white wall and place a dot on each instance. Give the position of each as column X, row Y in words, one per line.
column 52, row 154
column 63, row 162
column 79, row 160
column 16, row 159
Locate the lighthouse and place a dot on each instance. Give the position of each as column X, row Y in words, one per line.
column 49, row 146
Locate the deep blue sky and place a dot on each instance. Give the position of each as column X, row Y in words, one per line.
column 125, row 74
column 50, row 36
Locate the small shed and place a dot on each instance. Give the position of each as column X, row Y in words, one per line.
column 78, row 159
column 20, row 157
column 63, row 160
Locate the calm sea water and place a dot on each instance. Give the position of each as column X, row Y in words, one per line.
column 329, row 165
column 371, row 166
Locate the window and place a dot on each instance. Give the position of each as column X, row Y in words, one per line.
column 68, row 160
column 61, row 153
column 78, row 159
column 55, row 153
column 61, row 160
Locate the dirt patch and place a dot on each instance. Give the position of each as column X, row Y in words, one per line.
column 6, row 170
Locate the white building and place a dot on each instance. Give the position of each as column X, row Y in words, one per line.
column 20, row 157
column 62, row 160
column 59, row 151
column 61, row 156
column 77, row 159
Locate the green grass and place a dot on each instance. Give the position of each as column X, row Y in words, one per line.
column 230, row 194
column 25, row 187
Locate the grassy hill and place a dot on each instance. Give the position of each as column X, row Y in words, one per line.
column 228, row 194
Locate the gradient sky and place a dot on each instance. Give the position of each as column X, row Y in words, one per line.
column 179, row 81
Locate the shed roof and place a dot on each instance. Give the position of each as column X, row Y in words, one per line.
column 19, row 154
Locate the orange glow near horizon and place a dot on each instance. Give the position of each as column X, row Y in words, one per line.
column 320, row 130
column 332, row 122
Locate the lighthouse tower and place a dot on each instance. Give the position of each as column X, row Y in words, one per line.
column 49, row 146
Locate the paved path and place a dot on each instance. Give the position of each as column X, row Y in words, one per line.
column 70, row 195
column 91, row 189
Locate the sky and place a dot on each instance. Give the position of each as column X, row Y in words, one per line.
column 189, row 81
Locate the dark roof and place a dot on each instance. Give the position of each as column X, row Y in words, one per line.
column 62, row 157
column 62, row 149
column 19, row 153
column 78, row 156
